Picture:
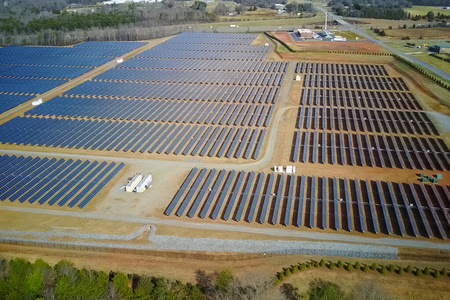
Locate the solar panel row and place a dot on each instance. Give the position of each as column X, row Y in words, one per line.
column 193, row 64
column 355, row 82
column 244, row 114
column 371, row 150
column 43, row 72
column 125, row 136
column 339, row 68
column 28, row 86
column 9, row 101
column 50, row 180
column 371, row 120
column 359, row 98
column 28, row 71
column 191, row 76
column 175, row 91
column 381, row 207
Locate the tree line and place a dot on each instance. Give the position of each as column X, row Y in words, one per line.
column 382, row 9
column 124, row 22
column 21, row 279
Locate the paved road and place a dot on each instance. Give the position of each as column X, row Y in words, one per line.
column 381, row 43
column 321, row 236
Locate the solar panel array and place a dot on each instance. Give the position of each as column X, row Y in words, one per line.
column 53, row 181
column 10, row 101
column 356, row 114
column 200, row 105
column 26, row 72
column 391, row 208
column 370, row 150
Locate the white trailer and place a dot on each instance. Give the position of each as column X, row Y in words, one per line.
column 144, row 184
column 133, row 182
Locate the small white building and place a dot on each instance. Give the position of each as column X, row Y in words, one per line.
column 305, row 33
column 144, row 184
column 338, row 38
column 133, row 182
column 37, row 102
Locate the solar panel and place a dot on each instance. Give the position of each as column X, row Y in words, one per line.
column 234, row 194
column 433, row 212
column 223, row 194
column 396, row 209
column 312, row 202
column 245, row 195
column 324, row 203
column 372, row 211
column 212, row 194
column 359, row 204
column 383, row 208
column 255, row 198
column 201, row 194
column 336, row 206
column 419, row 208
column 180, row 192
column 191, row 192
column 267, row 195
column 305, row 146
column 277, row 201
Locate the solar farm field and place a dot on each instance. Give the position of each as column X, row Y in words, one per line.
column 209, row 115
column 27, row 72
column 196, row 94
column 392, row 208
column 53, row 181
column 347, row 116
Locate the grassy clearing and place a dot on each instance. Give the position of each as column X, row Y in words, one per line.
column 443, row 65
column 441, row 93
column 423, row 10
column 384, row 24
column 271, row 22
column 401, row 46
column 211, row 5
column 417, row 33
column 350, row 35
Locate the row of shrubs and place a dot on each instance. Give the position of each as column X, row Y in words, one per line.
column 440, row 57
column 442, row 82
column 359, row 267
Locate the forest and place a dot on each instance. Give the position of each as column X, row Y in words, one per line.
column 380, row 9
column 45, row 22
column 21, row 279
